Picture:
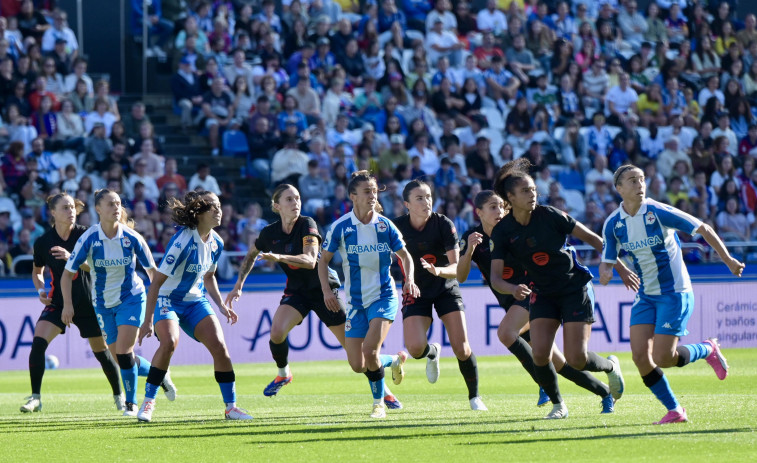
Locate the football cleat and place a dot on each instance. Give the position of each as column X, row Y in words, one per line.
column 120, row 402
column 608, row 404
column 145, row 411
column 130, row 409
column 273, row 388
column 392, row 402
column 716, row 359
column 236, row 413
column 477, row 404
column 398, row 367
column 32, row 405
column 559, row 411
column 615, row 378
column 432, row 365
column 543, row 398
column 379, row 411
column 673, row 417
column 169, row 388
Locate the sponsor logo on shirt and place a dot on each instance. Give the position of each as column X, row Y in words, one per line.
column 619, row 224
column 197, row 268
column 97, row 244
column 170, row 259
column 430, row 258
column 177, row 245
column 122, row 262
column 365, row 248
column 540, row 258
column 349, row 230
column 507, row 273
column 640, row 244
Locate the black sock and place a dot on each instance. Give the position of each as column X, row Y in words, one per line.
column 430, row 351
column 586, row 380
column 684, row 356
column 37, row 363
column 280, row 353
column 223, row 377
column 376, row 375
column 126, row 361
column 526, row 336
column 651, row 378
column 596, row 363
column 522, row 351
column 110, row 368
column 469, row 370
column 155, row 376
column 547, row 379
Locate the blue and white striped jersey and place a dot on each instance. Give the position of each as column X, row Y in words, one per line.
column 366, row 251
column 112, row 264
column 188, row 258
column 653, row 248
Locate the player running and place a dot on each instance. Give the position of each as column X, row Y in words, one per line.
column 52, row 250
column 366, row 241
column 535, row 236
column 111, row 250
column 294, row 243
column 432, row 242
column 513, row 331
column 645, row 230
column 178, row 290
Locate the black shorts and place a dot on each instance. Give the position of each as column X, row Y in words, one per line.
column 575, row 306
column 304, row 303
column 509, row 301
column 87, row 324
column 447, row 302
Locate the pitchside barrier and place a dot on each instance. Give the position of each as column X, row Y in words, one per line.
column 727, row 310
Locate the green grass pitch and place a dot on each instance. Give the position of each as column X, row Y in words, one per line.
column 323, row 416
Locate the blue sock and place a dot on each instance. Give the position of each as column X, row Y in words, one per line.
column 377, row 389
column 661, row 389
column 144, row 365
column 229, row 392
column 698, row 351
column 151, row 391
column 129, row 377
column 386, row 360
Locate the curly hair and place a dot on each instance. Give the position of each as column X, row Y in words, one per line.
column 185, row 213
column 510, row 175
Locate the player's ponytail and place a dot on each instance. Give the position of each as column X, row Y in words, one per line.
column 509, row 176
column 362, row 176
column 185, row 213
column 53, row 200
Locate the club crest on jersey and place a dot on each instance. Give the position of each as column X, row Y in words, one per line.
column 491, row 246
column 462, row 245
column 213, row 246
column 649, row 218
column 126, row 241
column 288, row 248
column 381, row 227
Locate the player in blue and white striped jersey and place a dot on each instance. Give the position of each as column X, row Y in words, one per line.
column 645, row 231
column 111, row 249
column 178, row 290
column 366, row 241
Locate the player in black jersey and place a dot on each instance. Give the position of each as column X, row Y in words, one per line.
column 536, row 236
column 294, row 243
column 432, row 242
column 52, row 250
column 513, row 330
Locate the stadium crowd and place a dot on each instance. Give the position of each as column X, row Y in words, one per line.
column 446, row 90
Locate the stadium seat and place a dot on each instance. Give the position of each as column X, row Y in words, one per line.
column 493, row 118
column 235, row 144
column 571, row 180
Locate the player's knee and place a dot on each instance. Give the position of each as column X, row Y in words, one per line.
column 278, row 334
column 507, row 336
column 461, row 350
column 126, row 361
column 641, row 358
column 542, row 356
column 370, row 352
column 169, row 343
column 357, row 365
column 217, row 349
column 416, row 349
column 576, row 359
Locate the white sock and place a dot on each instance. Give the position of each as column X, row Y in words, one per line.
column 284, row 372
column 378, row 401
column 678, row 409
column 230, row 405
column 387, row 391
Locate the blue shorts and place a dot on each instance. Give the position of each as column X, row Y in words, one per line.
column 129, row 312
column 187, row 313
column 359, row 318
column 669, row 313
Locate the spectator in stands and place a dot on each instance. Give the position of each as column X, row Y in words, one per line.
column 31, row 23
column 81, row 99
column 134, row 119
column 187, row 96
column 44, row 119
column 239, row 68
column 203, row 180
column 172, row 176
column 79, row 72
column 24, row 246
column 670, row 156
column 155, row 164
column 290, row 114
column 159, row 28
column 308, row 101
column 620, row 100
column 62, row 60
column 444, row 43
column 141, row 175
column 218, row 109
column 102, row 115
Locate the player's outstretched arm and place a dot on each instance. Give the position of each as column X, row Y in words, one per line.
column 714, row 240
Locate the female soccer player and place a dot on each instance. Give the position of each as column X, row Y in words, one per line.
column 178, row 289
column 513, row 330
column 52, row 250
column 535, row 236
column 111, row 250
column 366, row 241
column 294, row 242
column 645, row 230
column 432, row 243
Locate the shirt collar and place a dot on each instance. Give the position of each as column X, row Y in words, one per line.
column 103, row 236
column 356, row 221
column 642, row 210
